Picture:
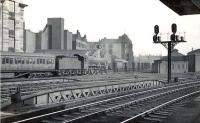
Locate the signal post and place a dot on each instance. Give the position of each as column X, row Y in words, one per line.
column 169, row 45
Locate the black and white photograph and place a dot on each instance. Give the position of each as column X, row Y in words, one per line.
column 100, row 61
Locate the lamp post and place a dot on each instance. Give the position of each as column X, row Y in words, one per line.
column 169, row 45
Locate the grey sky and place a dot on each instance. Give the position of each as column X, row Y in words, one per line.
column 112, row 18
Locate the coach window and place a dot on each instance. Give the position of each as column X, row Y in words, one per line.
column 43, row 61
column 7, row 60
column 23, row 61
column 33, row 61
column 11, row 60
column 38, row 61
column 3, row 60
column 19, row 61
column 27, row 61
column 48, row 61
column 15, row 61
column 30, row 60
column 179, row 66
column 183, row 66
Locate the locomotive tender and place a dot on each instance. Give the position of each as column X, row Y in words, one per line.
column 41, row 64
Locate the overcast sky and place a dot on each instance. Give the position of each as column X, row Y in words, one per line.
column 112, row 18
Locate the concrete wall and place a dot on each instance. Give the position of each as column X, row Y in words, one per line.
column 38, row 40
column 67, row 40
column 29, row 41
column 57, row 35
column 45, row 38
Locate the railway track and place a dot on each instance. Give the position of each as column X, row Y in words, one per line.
column 117, row 109
column 161, row 112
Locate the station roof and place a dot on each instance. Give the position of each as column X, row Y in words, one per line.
column 183, row 7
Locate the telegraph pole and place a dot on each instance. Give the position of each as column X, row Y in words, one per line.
column 169, row 45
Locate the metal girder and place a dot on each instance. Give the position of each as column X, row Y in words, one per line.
column 84, row 93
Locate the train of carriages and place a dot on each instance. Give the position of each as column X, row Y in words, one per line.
column 41, row 64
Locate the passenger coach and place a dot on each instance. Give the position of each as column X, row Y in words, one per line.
column 24, row 63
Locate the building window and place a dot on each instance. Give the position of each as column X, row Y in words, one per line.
column 172, row 66
column 11, row 24
column 11, row 6
column 12, row 34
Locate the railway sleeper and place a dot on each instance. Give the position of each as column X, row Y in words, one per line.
column 68, row 116
column 107, row 119
column 173, row 108
column 95, row 109
column 59, row 118
column 86, row 111
column 163, row 113
column 146, row 121
column 157, row 116
column 168, row 110
column 50, row 121
column 158, row 120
